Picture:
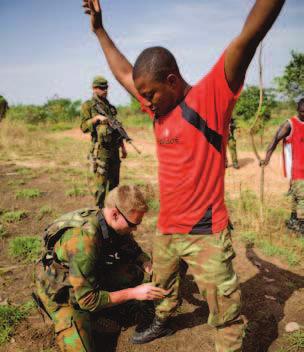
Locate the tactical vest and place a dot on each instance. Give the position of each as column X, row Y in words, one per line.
column 115, row 249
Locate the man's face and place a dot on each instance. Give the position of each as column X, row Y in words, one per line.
column 301, row 112
column 101, row 92
column 124, row 224
column 161, row 97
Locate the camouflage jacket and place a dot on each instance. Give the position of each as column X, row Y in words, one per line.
column 102, row 134
column 81, row 256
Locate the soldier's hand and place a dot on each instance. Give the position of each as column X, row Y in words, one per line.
column 147, row 266
column 149, row 292
column 124, row 152
column 99, row 119
column 92, row 8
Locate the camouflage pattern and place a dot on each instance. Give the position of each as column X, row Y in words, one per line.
column 99, row 81
column 3, row 107
column 232, row 142
column 104, row 151
column 297, row 193
column 209, row 258
column 74, row 280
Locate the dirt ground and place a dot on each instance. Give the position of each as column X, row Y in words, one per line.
column 273, row 293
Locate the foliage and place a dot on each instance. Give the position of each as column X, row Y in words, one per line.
column 76, row 191
column 29, row 193
column 291, row 83
column 10, row 317
column 45, row 210
column 55, row 110
column 248, row 103
column 13, row 216
column 27, row 248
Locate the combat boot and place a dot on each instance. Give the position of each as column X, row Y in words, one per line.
column 235, row 165
column 301, row 228
column 157, row 329
column 293, row 222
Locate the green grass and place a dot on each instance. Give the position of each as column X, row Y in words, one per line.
column 153, row 204
column 26, row 249
column 29, row 193
column 3, row 232
column 10, row 316
column 13, row 216
column 45, row 210
column 16, row 183
column 294, row 342
column 271, row 249
column 76, row 191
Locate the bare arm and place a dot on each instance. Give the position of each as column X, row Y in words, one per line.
column 242, row 49
column 282, row 133
column 144, row 292
column 118, row 63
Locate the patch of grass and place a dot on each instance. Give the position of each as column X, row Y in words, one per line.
column 294, row 342
column 271, row 249
column 45, row 210
column 16, row 183
column 3, row 232
column 28, row 193
column 27, row 248
column 153, row 204
column 24, row 171
column 76, row 191
column 10, row 316
column 13, row 216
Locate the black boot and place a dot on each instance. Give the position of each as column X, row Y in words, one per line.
column 293, row 222
column 157, row 329
column 301, row 228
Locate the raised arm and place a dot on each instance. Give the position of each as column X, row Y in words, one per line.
column 242, row 49
column 119, row 65
column 283, row 132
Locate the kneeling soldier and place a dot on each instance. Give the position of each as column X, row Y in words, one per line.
column 92, row 262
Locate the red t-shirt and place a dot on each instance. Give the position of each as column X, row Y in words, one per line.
column 191, row 146
column 296, row 141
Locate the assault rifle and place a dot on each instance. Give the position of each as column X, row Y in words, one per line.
column 116, row 125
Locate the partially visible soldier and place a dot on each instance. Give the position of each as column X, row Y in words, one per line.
column 232, row 143
column 91, row 262
column 104, row 151
column 292, row 134
column 3, row 107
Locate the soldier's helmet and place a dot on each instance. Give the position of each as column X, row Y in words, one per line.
column 100, row 82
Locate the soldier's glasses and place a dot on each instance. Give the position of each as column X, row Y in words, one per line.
column 130, row 224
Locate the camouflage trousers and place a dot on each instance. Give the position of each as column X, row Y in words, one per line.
column 209, row 259
column 73, row 326
column 297, row 193
column 232, row 149
column 106, row 171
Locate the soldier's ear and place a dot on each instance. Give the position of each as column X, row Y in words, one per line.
column 115, row 214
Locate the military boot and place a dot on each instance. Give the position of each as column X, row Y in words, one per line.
column 301, row 228
column 157, row 329
column 293, row 222
column 235, row 165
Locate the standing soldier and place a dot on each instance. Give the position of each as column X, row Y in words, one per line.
column 232, row 143
column 91, row 263
column 3, row 107
column 104, row 151
column 292, row 134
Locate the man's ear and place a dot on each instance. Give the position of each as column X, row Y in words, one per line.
column 172, row 79
column 114, row 214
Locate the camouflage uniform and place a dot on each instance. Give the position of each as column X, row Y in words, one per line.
column 297, row 193
column 104, row 150
column 83, row 262
column 209, row 258
column 232, row 143
column 3, row 107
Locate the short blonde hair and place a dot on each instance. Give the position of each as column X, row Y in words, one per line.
column 127, row 198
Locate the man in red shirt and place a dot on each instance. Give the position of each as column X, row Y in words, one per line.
column 292, row 134
column 191, row 126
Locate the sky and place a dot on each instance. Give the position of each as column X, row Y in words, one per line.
column 47, row 48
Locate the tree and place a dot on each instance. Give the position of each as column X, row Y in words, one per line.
column 248, row 103
column 291, row 83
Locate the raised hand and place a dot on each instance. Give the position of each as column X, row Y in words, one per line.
column 92, row 8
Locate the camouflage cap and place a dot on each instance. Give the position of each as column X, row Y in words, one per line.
column 100, row 81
